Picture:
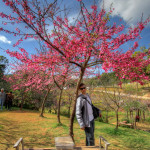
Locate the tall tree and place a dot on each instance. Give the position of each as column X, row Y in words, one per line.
column 89, row 41
column 3, row 66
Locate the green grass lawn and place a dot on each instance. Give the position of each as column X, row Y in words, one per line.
column 40, row 132
column 129, row 88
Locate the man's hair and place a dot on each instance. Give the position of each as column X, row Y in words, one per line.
column 2, row 89
column 81, row 84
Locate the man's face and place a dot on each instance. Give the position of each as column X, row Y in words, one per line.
column 2, row 90
column 83, row 89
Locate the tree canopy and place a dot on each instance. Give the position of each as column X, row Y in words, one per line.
column 90, row 42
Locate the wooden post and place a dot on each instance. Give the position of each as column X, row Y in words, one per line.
column 17, row 144
column 105, row 141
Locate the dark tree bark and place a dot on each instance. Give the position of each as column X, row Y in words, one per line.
column 59, row 103
column 74, row 106
column 117, row 119
column 43, row 103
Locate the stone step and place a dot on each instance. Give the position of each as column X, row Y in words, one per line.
column 87, row 148
column 64, row 143
column 75, row 148
column 53, row 148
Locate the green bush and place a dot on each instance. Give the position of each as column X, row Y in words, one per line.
column 63, row 112
column 147, row 119
column 101, row 119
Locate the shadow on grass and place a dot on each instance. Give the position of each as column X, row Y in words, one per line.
column 133, row 139
column 113, row 132
column 55, row 125
column 8, row 133
column 11, row 131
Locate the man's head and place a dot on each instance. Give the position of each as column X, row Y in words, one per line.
column 82, row 88
column 2, row 90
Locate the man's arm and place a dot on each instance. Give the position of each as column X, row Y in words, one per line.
column 79, row 112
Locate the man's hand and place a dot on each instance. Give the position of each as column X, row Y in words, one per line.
column 83, row 128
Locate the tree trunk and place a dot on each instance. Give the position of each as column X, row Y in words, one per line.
column 127, row 115
column 43, row 103
column 106, row 116
column 74, row 106
column 69, row 111
column 59, row 102
column 135, row 119
column 69, row 107
column 55, row 111
column 132, row 118
column 130, row 115
column 140, row 115
column 117, row 119
column 143, row 115
column 22, row 101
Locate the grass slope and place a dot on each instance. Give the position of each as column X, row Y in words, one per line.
column 40, row 132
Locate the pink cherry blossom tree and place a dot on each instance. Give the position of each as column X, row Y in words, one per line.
column 39, row 78
column 90, row 41
column 63, row 75
column 26, row 79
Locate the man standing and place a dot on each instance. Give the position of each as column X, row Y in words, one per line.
column 84, row 114
column 10, row 100
column 2, row 98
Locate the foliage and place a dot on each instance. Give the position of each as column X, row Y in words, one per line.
column 147, row 119
column 3, row 66
column 105, row 79
column 145, row 50
column 89, row 42
column 100, row 39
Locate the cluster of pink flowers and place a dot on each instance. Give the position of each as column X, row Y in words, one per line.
column 91, row 41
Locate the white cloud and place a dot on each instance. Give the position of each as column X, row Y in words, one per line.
column 50, row 29
column 130, row 10
column 72, row 18
column 4, row 39
column 30, row 39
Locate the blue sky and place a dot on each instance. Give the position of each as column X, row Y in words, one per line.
column 130, row 11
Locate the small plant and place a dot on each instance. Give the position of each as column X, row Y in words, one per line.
column 64, row 113
column 101, row 119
